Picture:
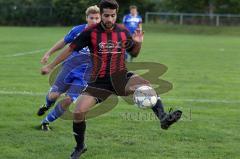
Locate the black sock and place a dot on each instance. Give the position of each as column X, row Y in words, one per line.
column 158, row 109
column 79, row 131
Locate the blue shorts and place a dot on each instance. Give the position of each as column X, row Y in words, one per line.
column 73, row 77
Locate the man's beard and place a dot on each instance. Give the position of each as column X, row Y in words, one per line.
column 108, row 25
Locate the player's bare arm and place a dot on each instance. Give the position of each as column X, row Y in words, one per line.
column 60, row 58
column 137, row 39
column 56, row 47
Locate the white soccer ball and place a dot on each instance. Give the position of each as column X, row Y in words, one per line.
column 145, row 97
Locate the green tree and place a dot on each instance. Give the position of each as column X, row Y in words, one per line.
column 59, row 12
column 201, row 6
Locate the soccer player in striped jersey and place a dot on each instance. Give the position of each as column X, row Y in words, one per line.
column 107, row 42
column 72, row 78
column 132, row 22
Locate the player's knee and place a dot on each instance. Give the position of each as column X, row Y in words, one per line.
column 53, row 95
column 81, row 111
column 66, row 102
column 79, row 115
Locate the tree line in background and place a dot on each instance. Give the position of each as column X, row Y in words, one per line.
column 57, row 12
column 72, row 12
column 201, row 6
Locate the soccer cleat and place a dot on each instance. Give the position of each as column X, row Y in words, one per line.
column 78, row 152
column 42, row 110
column 45, row 127
column 170, row 118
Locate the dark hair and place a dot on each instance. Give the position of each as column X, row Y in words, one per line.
column 110, row 4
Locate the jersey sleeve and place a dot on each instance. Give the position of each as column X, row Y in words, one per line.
column 125, row 20
column 75, row 31
column 70, row 36
column 81, row 41
column 129, row 41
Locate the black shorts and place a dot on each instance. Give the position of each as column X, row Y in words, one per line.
column 102, row 88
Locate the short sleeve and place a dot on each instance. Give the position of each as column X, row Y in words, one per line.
column 125, row 20
column 129, row 41
column 75, row 31
column 70, row 36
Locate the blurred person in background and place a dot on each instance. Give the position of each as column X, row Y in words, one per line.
column 133, row 22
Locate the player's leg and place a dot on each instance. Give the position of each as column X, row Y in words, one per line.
column 136, row 81
column 50, row 100
column 84, row 103
column 55, row 113
column 60, row 86
column 74, row 90
column 166, row 119
column 55, row 91
column 96, row 92
column 72, row 81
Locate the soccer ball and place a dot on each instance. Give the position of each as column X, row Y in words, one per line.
column 145, row 97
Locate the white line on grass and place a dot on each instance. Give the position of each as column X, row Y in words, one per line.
column 204, row 100
column 25, row 53
column 26, row 93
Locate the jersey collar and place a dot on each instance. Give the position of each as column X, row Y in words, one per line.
column 133, row 15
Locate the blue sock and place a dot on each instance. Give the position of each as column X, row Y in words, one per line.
column 49, row 102
column 54, row 114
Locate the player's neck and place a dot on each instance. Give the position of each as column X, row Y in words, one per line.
column 133, row 15
column 107, row 29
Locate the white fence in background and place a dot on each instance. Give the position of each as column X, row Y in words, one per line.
column 193, row 18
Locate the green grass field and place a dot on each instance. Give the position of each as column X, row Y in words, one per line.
column 203, row 65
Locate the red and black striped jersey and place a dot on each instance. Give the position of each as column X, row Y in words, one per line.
column 107, row 48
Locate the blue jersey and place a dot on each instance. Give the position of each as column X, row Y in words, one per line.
column 72, row 35
column 132, row 22
column 69, row 61
column 76, row 68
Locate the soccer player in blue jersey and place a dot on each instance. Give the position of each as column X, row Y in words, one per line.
column 92, row 17
column 132, row 22
column 72, row 78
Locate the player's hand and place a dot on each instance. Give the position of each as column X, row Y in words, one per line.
column 45, row 58
column 46, row 69
column 138, row 36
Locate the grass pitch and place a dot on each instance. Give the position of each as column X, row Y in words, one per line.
column 203, row 65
